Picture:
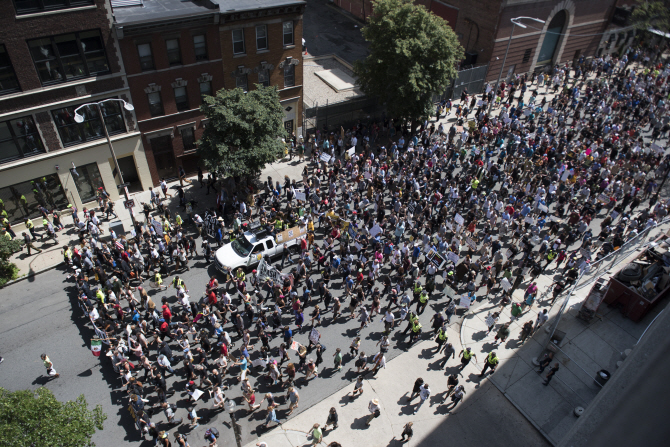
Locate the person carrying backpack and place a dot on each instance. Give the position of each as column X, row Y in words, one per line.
column 211, row 435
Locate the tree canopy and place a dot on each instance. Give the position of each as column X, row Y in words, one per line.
column 8, row 270
column 36, row 418
column 652, row 14
column 413, row 55
column 244, row 130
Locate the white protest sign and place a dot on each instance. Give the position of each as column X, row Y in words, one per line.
column 453, row 257
column 505, row 284
column 351, row 151
column 471, row 243
column 300, row 195
column 509, row 254
column 325, row 157
column 465, row 301
column 367, row 175
column 604, row 198
column 448, row 225
column 489, row 321
column 459, row 219
column 374, row 231
column 529, row 220
column 543, row 208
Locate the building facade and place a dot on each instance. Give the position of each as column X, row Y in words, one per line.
column 572, row 28
column 175, row 52
column 55, row 56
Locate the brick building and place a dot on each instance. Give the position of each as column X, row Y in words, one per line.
column 55, row 56
column 177, row 51
column 572, row 29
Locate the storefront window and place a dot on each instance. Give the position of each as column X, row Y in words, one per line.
column 22, row 199
column 88, row 180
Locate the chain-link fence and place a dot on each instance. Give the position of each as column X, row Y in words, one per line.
column 345, row 114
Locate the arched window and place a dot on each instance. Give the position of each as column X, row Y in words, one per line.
column 551, row 38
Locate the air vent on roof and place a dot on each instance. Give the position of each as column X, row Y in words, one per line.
column 121, row 3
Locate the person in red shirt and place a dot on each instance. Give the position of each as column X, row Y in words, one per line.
column 167, row 314
column 211, row 298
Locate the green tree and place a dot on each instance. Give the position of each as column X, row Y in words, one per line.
column 654, row 14
column 8, row 270
column 244, row 130
column 36, row 418
column 413, row 55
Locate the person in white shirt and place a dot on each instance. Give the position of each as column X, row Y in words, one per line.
column 424, row 394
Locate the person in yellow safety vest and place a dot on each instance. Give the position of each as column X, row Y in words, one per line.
column 278, row 225
column 177, row 282
column 416, row 291
column 166, row 226
column 491, row 362
column 441, row 338
column 423, row 301
column 24, row 203
column 466, row 356
column 416, row 331
column 99, row 294
column 158, row 279
column 5, row 234
column 551, row 255
column 474, row 183
column 178, row 220
column 31, row 227
column 67, row 255
column 240, row 274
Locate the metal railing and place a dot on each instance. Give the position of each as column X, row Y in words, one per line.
column 599, row 267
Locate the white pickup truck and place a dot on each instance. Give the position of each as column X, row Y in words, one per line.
column 247, row 251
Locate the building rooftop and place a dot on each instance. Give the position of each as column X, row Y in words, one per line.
column 337, row 85
column 159, row 10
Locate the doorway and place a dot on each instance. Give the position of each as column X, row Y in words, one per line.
column 551, row 39
column 288, row 126
column 129, row 173
column 166, row 165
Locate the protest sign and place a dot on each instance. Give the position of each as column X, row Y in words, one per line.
column 459, row 219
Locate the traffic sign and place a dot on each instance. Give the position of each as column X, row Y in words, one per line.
column 129, row 203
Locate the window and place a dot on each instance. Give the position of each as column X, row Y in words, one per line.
column 526, row 55
column 87, row 179
column 288, row 33
column 188, row 138
column 22, row 199
column 205, row 89
column 261, row 37
column 30, row 6
column 146, row 58
column 289, row 75
column 238, row 41
column 264, row 77
column 8, row 81
column 18, row 139
column 200, row 47
column 180, row 98
column 69, row 56
column 241, row 82
column 173, row 53
column 155, row 104
column 72, row 132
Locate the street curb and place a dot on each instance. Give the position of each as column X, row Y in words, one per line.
column 30, row 275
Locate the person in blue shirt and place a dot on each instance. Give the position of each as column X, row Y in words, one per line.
column 288, row 335
column 525, row 210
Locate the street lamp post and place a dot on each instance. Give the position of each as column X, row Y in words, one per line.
column 80, row 119
column 229, row 405
column 515, row 23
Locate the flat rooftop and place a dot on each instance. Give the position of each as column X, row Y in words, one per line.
column 157, row 10
column 328, row 78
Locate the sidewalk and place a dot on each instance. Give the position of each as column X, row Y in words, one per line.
column 587, row 348
column 483, row 415
column 52, row 252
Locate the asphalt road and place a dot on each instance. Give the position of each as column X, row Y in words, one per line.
column 41, row 315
